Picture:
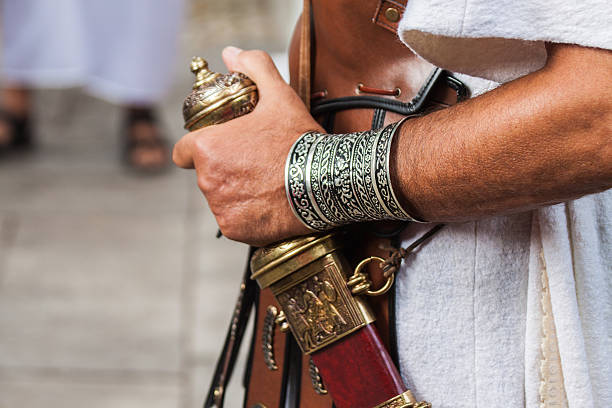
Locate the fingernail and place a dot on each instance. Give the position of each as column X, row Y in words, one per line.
column 231, row 51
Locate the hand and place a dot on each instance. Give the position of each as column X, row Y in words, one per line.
column 240, row 164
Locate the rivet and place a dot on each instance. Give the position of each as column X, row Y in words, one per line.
column 392, row 14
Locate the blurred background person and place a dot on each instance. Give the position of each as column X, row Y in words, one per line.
column 121, row 51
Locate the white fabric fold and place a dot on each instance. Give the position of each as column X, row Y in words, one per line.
column 497, row 40
column 487, row 43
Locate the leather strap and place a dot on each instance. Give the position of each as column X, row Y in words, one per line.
column 271, row 394
column 292, row 375
column 304, row 58
column 235, row 333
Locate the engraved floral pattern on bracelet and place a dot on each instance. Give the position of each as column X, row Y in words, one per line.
column 317, row 176
column 342, row 168
column 359, row 172
column 296, row 182
column 370, row 179
column 381, row 174
column 326, row 181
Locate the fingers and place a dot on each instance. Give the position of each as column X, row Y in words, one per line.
column 255, row 64
column 182, row 154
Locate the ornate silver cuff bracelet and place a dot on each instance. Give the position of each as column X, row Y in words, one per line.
column 332, row 180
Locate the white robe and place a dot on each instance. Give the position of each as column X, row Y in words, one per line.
column 120, row 50
column 470, row 303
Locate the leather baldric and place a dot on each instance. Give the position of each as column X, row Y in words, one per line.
column 346, row 56
column 304, row 69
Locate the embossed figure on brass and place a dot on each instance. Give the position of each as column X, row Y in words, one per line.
column 308, row 277
column 318, row 313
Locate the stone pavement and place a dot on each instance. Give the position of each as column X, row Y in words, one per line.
column 114, row 291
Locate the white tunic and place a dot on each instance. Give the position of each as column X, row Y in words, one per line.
column 120, row 50
column 470, row 303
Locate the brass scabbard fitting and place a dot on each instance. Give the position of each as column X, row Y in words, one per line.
column 404, row 400
column 308, row 276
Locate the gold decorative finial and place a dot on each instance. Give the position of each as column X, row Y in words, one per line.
column 217, row 98
column 198, row 63
column 199, row 67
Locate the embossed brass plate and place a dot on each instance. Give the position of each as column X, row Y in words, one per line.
column 320, row 309
column 308, row 279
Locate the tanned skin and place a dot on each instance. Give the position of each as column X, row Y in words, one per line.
column 542, row 139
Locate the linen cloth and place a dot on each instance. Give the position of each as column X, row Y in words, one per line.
column 469, row 302
column 119, row 50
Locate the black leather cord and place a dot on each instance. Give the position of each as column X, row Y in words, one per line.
column 393, row 352
column 373, row 102
column 233, row 339
column 378, row 119
column 463, row 92
column 292, row 375
column 328, row 122
column 246, row 378
column 391, row 105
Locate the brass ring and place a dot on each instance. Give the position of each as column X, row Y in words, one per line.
column 388, row 284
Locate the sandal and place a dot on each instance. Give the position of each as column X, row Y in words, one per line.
column 19, row 131
column 144, row 149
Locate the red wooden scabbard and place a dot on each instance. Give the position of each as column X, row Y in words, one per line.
column 358, row 371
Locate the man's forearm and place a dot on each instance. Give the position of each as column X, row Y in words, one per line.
column 542, row 139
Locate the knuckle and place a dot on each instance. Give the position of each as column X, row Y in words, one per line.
column 227, row 228
column 202, row 146
column 203, row 183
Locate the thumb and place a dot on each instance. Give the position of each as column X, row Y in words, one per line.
column 229, row 55
column 255, row 64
